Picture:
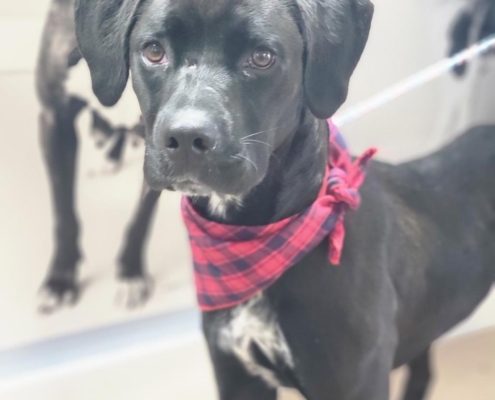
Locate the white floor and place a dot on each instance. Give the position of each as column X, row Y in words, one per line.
column 464, row 369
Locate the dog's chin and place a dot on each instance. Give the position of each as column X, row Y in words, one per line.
column 191, row 188
column 195, row 187
column 232, row 181
column 222, row 189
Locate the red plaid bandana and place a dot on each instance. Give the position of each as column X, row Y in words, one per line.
column 233, row 263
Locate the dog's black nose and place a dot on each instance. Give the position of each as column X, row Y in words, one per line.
column 183, row 139
column 188, row 131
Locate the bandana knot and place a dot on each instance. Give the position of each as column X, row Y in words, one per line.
column 234, row 263
column 340, row 189
column 345, row 177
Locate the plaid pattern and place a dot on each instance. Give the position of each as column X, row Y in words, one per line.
column 233, row 263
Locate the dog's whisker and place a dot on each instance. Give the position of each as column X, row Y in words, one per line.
column 275, row 156
column 240, row 156
column 254, row 134
column 253, row 141
column 263, row 131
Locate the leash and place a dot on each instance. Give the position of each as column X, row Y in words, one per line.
column 413, row 82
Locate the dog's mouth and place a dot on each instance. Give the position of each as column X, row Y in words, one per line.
column 190, row 187
column 233, row 178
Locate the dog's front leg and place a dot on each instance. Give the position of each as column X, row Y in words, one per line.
column 233, row 380
column 419, row 377
column 59, row 142
column 349, row 358
column 353, row 383
column 136, row 286
column 58, row 52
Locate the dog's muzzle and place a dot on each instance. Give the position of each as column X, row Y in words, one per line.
column 192, row 152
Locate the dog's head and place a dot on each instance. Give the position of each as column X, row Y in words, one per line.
column 221, row 83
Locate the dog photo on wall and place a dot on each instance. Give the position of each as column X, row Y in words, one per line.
column 228, row 108
column 59, row 111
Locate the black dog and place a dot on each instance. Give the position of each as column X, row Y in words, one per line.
column 419, row 253
column 59, row 52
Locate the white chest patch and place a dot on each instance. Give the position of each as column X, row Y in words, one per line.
column 251, row 324
column 218, row 205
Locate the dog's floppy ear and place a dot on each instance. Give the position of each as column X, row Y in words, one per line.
column 102, row 28
column 335, row 33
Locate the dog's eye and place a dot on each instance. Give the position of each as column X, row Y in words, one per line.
column 154, row 53
column 262, row 58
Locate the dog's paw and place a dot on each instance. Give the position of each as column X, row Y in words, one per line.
column 56, row 294
column 134, row 292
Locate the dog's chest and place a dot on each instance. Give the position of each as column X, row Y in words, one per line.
column 254, row 336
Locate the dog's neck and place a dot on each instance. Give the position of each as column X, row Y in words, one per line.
column 291, row 184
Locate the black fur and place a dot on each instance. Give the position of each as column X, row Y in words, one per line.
column 335, row 34
column 419, row 254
